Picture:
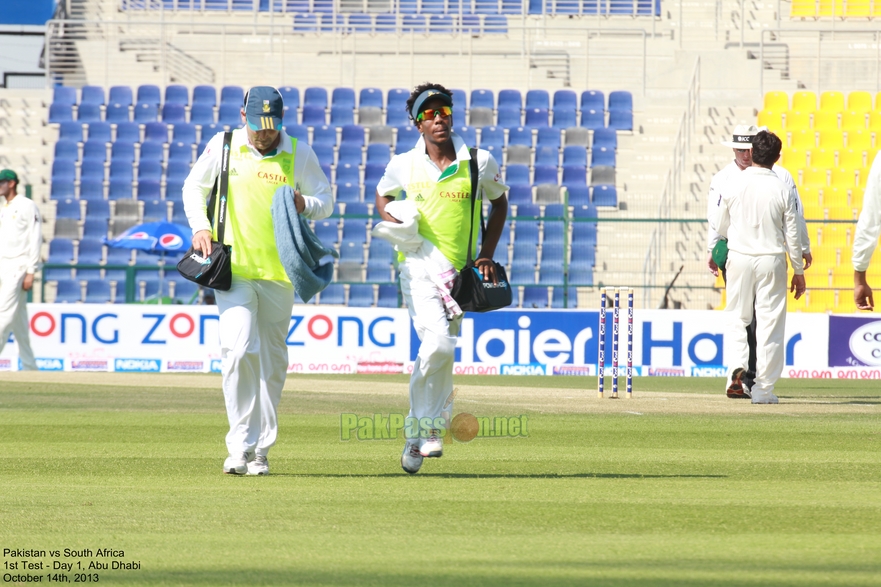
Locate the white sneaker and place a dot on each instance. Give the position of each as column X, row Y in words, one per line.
column 768, row 398
column 259, row 466
column 433, row 446
column 237, row 464
column 411, row 460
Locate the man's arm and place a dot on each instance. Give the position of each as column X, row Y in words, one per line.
column 313, row 184
column 390, row 185
column 35, row 243
column 489, row 181
column 196, row 188
column 866, row 238
column 793, row 244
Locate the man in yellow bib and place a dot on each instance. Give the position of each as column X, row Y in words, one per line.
column 436, row 176
column 256, row 311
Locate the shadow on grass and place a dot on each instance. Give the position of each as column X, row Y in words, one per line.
column 506, row 475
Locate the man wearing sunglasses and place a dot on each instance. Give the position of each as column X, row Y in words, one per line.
column 436, row 177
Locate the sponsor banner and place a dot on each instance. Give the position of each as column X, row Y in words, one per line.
column 858, row 341
column 380, row 367
column 185, row 366
column 215, row 366
column 89, row 365
column 583, row 370
column 326, row 366
column 710, row 371
column 531, row 369
column 45, row 364
column 666, row 372
column 6, row 365
column 866, row 373
column 137, row 365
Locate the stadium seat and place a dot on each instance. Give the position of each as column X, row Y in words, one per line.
column 97, row 292
column 602, row 156
column 536, row 118
column 604, row 195
column 151, row 151
column 593, row 119
column 230, row 115
column 360, row 295
column 89, row 113
column 803, row 101
column 544, row 174
column 621, row 119
column 778, row 101
column 370, row 97
column 68, row 291
column 172, row 113
column 64, row 95
column 853, row 120
column 832, row 101
column 333, row 294
column 535, row 297
column 388, row 296
column 519, row 193
column 547, row 156
column 482, row 99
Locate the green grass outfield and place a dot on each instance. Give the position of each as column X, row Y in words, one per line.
column 678, row 486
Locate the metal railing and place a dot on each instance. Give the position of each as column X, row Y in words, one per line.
column 93, row 52
column 669, row 204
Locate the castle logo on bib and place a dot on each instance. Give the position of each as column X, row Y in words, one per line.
column 273, row 178
column 453, row 195
column 137, row 365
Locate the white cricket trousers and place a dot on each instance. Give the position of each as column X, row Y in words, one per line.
column 254, row 320
column 431, row 383
column 14, row 311
column 759, row 280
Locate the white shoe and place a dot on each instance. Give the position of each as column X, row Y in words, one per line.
column 259, row 466
column 237, row 464
column 768, row 398
column 433, row 446
column 411, row 460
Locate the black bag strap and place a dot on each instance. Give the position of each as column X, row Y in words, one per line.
column 223, row 180
column 474, row 174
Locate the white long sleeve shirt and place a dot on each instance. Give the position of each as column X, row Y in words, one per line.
column 726, row 177
column 21, row 232
column 758, row 215
column 869, row 225
column 311, row 180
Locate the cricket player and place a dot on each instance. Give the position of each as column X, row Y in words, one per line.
column 20, row 241
column 436, row 176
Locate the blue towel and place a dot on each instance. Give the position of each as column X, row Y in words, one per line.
column 298, row 247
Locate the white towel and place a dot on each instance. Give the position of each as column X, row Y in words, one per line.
column 406, row 238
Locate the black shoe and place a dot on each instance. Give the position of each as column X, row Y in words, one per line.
column 736, row 389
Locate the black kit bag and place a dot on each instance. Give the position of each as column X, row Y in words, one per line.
column 470, row 291
column 214, row 271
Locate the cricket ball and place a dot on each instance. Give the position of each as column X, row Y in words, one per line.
column 464, row 427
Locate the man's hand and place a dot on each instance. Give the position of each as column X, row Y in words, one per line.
column 714, row 269
column 862, row 293
column 202, row 242
column 809, row 259
column 487, row 269
column 798, row 285
column 28, row 282
column 299, row 201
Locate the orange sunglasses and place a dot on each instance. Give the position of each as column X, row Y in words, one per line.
column 430, row 113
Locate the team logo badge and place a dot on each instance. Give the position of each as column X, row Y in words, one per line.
column 265, row 105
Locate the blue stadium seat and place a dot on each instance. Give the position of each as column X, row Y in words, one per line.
column 580, row 275
column 482, row 99
column 553, row 211
column 91, row 169
column 620, row 100
column 202, row 114
column 370, row 97
column 155, row 132
column 315, row 96
column 68, row 290
column 583, row 208
column 519, row 193
column 233, row 95
column 407, row 137
column 486, row 6
column 468, row 134
column 349, row 154
column 92, row 95
column 333, row 23
column 230, row 115
column 90, row 251
column 557, row 300
column 387, row 296
column 184, row 132
column 174, row 191
column 206, row 95
column 407, row 6
column 347, row 173
column 120, row 95
column 470, row 25
column 593, row 119
column 180, row 151
column 508, row 117
column 538, row 99
column 325, row 154
column 151, row 151
column 544, row 174
column 386, row 23
column 327, row 231
column 120, row 187
column 128, row 132
column 63, row 170
column 575, row 155
column 441, row 24
column 517, row 175
column 122, row 151
column 89, row 113
column 149, row 94
column 60, row 252
column 62, row 190
column 574, row 175
column 314, row 115
column 93, row 151
column 67, row 149
column 60, row 113
column 290, row 96
column 564, row 118
column 305, row 23
column 344, row 97
column 291, row 116
column 552, row 235
column 91, row 190
column 177, row 94
column 360, row 295
column 177, row 170
column 145, row 112
column 531, row 211
column 460, row 98
column 521, row 275
column 97, row 209
column 511, row 99
column 64, row 95
column 342, row 115
column 621, row 119
column 520, row 136
column 593, row 100
column 347, row 193
column 360, row 22
column 71, row 130
column 602, row 156
column 495, row 24
column 352, row 134
column 149, row 170
column 68, row 209
column 535, row 297
column 324, row 135
column 154, row 210
column 536, row 118
column 333, row 294
column 97, row 291
column 118, row 113
column 492, row 135
column 378, row 153
column 172, row 113
column 604, row 138
column 547, row 156
column 434, row 7
column 97, row 131
column 297, row 131
column 604, row 195
column 565, row 100
column 512, row 6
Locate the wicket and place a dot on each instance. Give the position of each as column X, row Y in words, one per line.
column 601, row 358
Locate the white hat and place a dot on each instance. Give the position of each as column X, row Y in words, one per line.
column 743, row 136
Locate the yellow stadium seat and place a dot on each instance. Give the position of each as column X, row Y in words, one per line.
column 793, row 160
column 821, row 158
column 839, row 213
column 835, row 236
column 778, row 101
column 870, row 156
column 825, row 120
column 832, row 101
column 829, row 8
column 853, row 120
column 813, row 211
column 850, row 159
column 824, row 256
column 862, row 176
column 814, row 176
column 796, row 120
column 809, row 194
column 878, row 95
column 831, row 139
column 773, row 119
column 859, row 101
column 860, row 139
column 816, row 279
column 844, row 176
column 805, row 101
column 857, row 8
column 844, row 255
column 875, row 119
column 834, row 195
column 842, row 280
column 803, row 139
column 856, row 198
column 803, row 8
column 820, row 300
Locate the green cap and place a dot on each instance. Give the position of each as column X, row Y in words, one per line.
column 8, row 175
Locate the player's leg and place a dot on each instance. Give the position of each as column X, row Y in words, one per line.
column 10, row 288
column 240, row 364
column 740, row 292
column 771, row 318
column 22, row 331
column 275, row 302
column 431, row 382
